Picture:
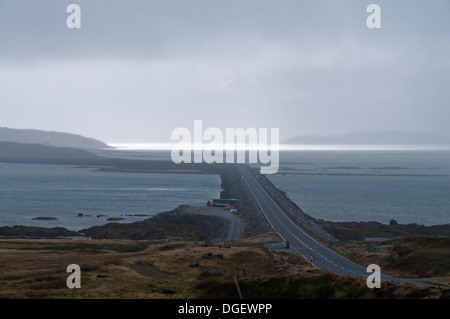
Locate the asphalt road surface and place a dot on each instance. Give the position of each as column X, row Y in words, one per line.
column 320, row 256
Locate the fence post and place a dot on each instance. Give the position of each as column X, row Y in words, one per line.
column 237, row 284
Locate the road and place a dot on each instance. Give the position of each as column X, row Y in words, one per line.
column 302, row 243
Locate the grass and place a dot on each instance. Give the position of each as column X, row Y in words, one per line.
column 37, row 269
column 58, row 246
column 420, row 257
column 171, row 246
column 321, row 286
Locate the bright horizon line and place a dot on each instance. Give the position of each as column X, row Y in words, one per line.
column 281, row 147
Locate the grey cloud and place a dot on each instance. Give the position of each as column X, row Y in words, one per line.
column 138, row 69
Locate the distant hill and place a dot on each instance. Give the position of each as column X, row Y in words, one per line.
column 16, row 151
column 56, row 139
column 373, row 138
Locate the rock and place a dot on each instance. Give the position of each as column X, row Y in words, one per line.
column 101, row 276
column 393, row 222
column 107, row 251
column 193, row 265
column 399, row 252
column 215, row 273
column 36, row 232
column 207, row 255
column 218, row 256
column 166, row 291
column 83, row 215
column 44, row 218
column 137, row 215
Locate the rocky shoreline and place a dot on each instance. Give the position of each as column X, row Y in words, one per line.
column 175, row 224
column 374, row 231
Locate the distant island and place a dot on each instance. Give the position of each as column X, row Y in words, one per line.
column 372, row 138
column 18, row 152
column 49, row 138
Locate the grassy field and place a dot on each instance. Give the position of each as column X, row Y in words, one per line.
column 421, row 257
column 128, row 269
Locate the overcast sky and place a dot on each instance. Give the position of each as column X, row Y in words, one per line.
column 136, row 70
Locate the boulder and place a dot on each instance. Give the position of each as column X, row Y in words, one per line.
column 214, row 273
column 166, row 291
column 393, row 222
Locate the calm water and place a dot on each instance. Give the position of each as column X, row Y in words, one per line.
column 408, row 186
column 29, row 190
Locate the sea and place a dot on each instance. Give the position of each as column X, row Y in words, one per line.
column 408, row 186
column 83, row 197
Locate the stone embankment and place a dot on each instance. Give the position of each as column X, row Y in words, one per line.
column 300, row 218
column 254, row 220
column 233, row 186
